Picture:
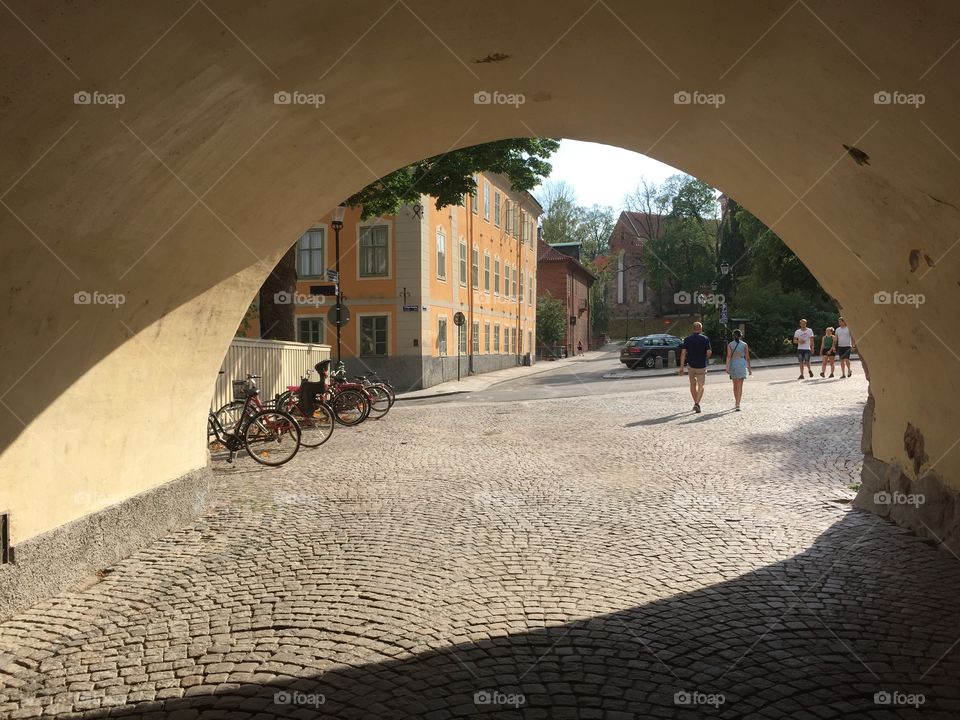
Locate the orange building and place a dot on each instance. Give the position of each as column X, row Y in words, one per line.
column 404, row 278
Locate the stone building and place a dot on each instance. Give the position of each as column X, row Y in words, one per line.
column 564, row 278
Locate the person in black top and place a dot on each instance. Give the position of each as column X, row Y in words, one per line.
column 696, row 351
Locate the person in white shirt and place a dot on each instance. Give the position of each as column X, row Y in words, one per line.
column 845, row 344
column 803, row 339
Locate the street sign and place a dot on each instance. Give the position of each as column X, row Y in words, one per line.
column 459, row 319
column 332, row 275
column 338, row 315
column 411, row 308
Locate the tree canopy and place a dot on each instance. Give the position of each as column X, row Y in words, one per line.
column 450, row 176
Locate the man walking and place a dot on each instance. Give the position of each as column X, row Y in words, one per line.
column 696, row 351
column 803, row 339
column 844, row 346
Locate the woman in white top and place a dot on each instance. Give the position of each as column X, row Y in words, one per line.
column 845, row 343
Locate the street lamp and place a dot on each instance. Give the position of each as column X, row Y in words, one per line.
column 724, row 268
column 337, row 224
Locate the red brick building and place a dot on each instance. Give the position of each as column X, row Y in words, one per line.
column 569, row 281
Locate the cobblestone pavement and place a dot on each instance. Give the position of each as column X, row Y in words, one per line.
column 599, row 557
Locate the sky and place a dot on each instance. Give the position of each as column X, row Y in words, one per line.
column 603, row 174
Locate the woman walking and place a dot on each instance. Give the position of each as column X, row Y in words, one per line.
column 738, row 365
column 828, row 348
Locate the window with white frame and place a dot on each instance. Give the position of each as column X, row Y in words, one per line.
column 374, row 251
column 310, row 330
column 463, row 263
column 310, row 254
column 486, row 337
column 461, row 338
column 521, row 286
column 508, row 219
column 441, row 254
column 513, row 287
column 640, row 291
column 442, row 335
column 373, row 335
column 486, row 201
column 496, row 276
column 475, row 338
column 475, row 266
column 496, row 208
column 496, row 338
column 475, row 194
column 506, row 280
column 486, row 272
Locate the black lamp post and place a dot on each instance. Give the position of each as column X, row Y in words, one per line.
column 337, row 224
column 725, row 273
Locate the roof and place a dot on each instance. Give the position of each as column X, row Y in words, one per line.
column 547, row 254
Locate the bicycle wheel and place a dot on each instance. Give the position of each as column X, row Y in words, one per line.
column 350, row 407
column 272, row 437
column 229, row 414
column 316, row 429
column 380, row 401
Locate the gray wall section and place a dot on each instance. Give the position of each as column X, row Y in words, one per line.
column 61, row 559
column 444, row 369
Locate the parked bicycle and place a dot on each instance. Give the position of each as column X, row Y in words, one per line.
column 315, row 417
column 270, row 436
column 382, row 393
column 350, row 402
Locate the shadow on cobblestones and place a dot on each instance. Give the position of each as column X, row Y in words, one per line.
column 829, row 633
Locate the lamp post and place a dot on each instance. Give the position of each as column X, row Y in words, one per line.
column 724, row 273
column 337, row 224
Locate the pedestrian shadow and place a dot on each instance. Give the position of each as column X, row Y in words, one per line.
column 762, row 644
column 657, row 421
column 708, row 416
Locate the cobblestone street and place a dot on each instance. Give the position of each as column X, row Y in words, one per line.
column 606, row 556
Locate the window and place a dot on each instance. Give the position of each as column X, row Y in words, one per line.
column 640, row 291
column 486, row 273
column 513, row 294
column 475, row 195
column 310, row 330
column 442, row 336
column 496, row 276
column 506, row 280
column 463, row 263
column 486, row 201
column 373, row 335
column 475, row 266
column 475, row 338
column 441, row 254
column 462, row 339
column 496, row 338
column 486, row 337
column 521, row 286
column 524, row 230
column 621, row 284
column 508, row 220
column 310, row 254
column 496, row 208
column 374, row 251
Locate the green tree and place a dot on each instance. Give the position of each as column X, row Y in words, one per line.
column 560, row 220
column 551, row 319
column 596, row 226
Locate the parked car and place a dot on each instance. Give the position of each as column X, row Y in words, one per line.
column 645, row 350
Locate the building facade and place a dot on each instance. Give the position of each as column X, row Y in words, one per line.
column 565, row 279
column 405, row 277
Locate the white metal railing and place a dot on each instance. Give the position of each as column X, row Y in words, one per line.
column 280, row 363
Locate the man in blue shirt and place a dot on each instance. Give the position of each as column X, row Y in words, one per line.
column 696, row 351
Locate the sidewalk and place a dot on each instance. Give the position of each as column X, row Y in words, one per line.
column 478, row 383
column 626, row 373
